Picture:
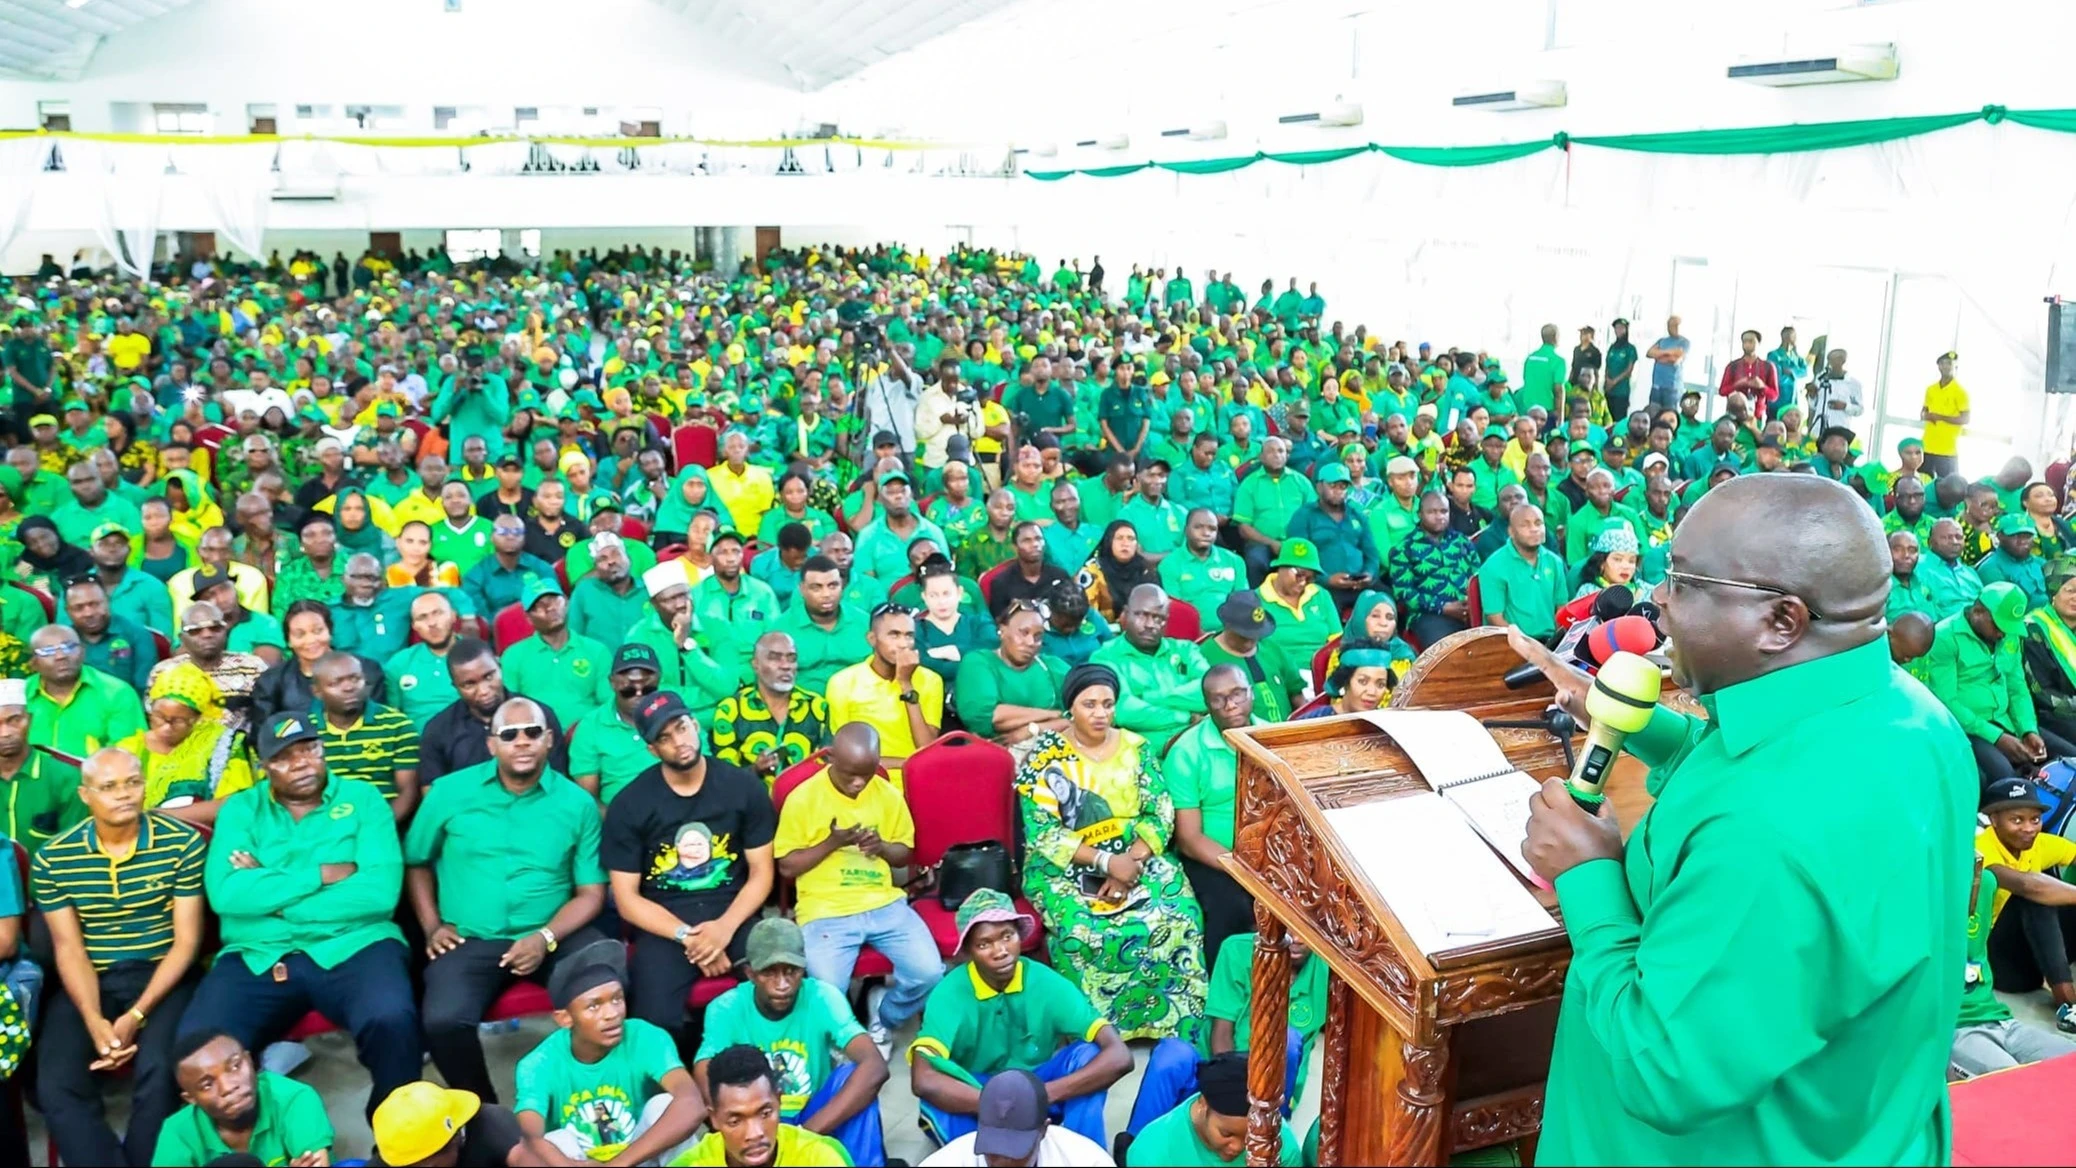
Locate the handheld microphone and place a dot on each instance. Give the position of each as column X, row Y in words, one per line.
column 1624, row 693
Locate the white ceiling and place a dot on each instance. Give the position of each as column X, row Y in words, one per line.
column 808, row 44
column 46, row 40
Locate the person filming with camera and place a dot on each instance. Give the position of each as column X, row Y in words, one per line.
column 946, row 410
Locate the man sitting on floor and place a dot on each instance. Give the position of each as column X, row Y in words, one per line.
column 747, row 1129
column 1004, row 1012
column 304, row 873
column 425, row 1125
column 840, row 836
column 2032, row 942
column 1986, row 1037
column 798, row 1022
column 612, row 1086
column 234, row 1107
column 1209, row 1127
column 493, row 912
column 1016, row 1127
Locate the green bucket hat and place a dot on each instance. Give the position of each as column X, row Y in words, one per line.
column 987, row 905
column 1299, row 553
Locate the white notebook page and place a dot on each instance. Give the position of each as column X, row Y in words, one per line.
column 1446, row 887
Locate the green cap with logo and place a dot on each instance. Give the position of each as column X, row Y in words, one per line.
column 2006, row 603
column 1299, row 553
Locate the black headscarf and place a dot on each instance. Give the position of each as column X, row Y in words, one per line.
column 1085, row 676
column 1121, row 576
column 68, row 563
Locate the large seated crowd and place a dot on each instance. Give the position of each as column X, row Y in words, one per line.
column 802, row 675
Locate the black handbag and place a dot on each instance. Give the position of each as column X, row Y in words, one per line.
column 967, row 868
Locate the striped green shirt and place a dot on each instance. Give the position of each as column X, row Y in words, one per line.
column 373, row 749
column 125, row 907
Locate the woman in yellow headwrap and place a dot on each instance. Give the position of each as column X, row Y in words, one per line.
column 194, row 506
column 191, row 761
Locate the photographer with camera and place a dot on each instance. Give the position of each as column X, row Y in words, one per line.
column 947, row 409
column 892, row 396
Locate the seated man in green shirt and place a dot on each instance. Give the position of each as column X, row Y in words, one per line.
column 234, row 1107
column 1160, row 676
column 1001, row 1012
column 1202, row 772
column 304, row 873
column 799, row 1022
column 1977, row 672
column 493, row 913
column 1208, row 1128
column 745, row 1118
column 1524, row 583
column 606, row 751
column 565, row 667
column 612, row 1086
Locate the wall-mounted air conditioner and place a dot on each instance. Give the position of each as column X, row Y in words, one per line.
column 1848, row 63
column 306, row 188
column 1106, row 142
column 1526, row 96
column 1339, row 113
column 1210, row 131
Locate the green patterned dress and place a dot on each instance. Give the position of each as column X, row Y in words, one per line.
column 1142, row 964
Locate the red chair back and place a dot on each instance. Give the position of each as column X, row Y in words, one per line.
column 1184, row 622
column 1474, row 601
column 988, row 578
column 49, row 602
column 562, row 573
column 791, row 778
column 635, row 530
column 162, row 643
column 696, row 445
column 1320, row 661
column 960, row 789
column 511, row 627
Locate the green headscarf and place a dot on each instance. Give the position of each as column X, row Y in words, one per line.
column 1358, row 617
column 368, row 537
column 672, row 512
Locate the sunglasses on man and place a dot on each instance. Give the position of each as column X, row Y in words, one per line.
column 531, row 731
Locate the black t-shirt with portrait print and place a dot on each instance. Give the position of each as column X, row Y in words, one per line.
column 552, row 547
column 689, row 851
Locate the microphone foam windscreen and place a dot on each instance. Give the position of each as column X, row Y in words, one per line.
column 1624, row 634
column 1612, row 602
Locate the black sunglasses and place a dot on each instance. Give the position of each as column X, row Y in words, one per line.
column 532, row 731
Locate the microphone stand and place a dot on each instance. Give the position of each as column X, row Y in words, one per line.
column 1554, row 722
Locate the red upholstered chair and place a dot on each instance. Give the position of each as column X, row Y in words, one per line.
column 562, row 573
column 1474, row 600
column 162, row 643
column 1184, row 622
column 49, row 603
column 634, row 530
column 988, row 578
column 696, row 445
column 960, row 789
column 871, row 962
column 1319, row 663
column 511, row 627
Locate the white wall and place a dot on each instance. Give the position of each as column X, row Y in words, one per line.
column 500, row 54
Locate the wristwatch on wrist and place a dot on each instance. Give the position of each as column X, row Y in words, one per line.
column 683, row 932
column 548, row 935
column 910, row 696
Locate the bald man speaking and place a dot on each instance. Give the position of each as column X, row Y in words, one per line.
column 1769, row 971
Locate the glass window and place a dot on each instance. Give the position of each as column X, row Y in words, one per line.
column 474, row 244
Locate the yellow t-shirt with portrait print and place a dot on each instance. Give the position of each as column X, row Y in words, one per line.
column 2048, row 851
column 847, row 881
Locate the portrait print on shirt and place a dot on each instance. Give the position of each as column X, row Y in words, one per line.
column 693, row 860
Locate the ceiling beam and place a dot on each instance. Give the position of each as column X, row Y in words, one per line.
column 28, row 35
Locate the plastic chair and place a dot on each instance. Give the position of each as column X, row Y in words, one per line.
column 49, row 602
column 1320, row 660
column 987, row 580
column 1184, row 622
column 960, row 789
column 510, row 627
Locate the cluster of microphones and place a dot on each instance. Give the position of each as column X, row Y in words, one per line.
column 1610, row 643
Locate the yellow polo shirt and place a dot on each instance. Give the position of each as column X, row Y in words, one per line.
column 2048, row 851
column 857, row 694
column 1952, row 398
column 847, row 881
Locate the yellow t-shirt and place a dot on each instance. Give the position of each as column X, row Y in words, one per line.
column 796, row 1145
column 127, row 352
column 857, row 694
column 847, row 881
column 1952, row 399
column 2048, row 851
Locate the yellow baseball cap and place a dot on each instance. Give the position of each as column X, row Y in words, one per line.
column 418, row 1119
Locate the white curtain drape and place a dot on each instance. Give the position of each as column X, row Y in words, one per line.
column 238, row 184
column 21, row 161
column 133, row 180
column 497, row 157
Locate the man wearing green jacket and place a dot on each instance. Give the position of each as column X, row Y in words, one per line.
column 1742, row 990
column 305, row 872
column 1160, row 678
column 1976, row 669
column 473, row 405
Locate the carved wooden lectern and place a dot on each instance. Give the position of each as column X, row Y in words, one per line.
column 1424, row 1056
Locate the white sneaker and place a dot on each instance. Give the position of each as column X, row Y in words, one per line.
column 877, row 1031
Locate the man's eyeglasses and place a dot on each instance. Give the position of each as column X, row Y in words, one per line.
column 48, row 651
column 211, row 627
column 1676, row 576
column 531, row 731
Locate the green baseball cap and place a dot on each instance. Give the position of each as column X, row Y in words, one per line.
column 1299, row 553
column 774, row 941
column 2006, row 603
column 535, row 588
column 388, row 410
column 2015, row 525
column 892, row 475
column 104, row 530
column 1333, row 472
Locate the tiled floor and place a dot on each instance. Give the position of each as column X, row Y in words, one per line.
column 334, row 1071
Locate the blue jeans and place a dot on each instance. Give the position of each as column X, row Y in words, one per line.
column 1082, row 1114
column 368, row 994
column 1171, row 1077
column 894, row 930
column 861, row 1135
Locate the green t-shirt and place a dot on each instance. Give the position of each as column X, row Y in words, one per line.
column 799, row 1045
column 1232, row 994
column 604, row 744
column 1204, row 582
column 1172, row 1139
column 600, row 1101
column 489, row 890
column 291, row 1122
column 1979, row 1002
column 985, row 681
column 984, row 1032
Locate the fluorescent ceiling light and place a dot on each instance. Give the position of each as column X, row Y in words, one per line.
column 75, row 3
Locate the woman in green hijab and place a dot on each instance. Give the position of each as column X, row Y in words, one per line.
column 2050, row 650
column 1374, row 622
column 689, row 492
column 355, row 519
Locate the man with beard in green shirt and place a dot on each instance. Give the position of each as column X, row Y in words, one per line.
column 1742, row 989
